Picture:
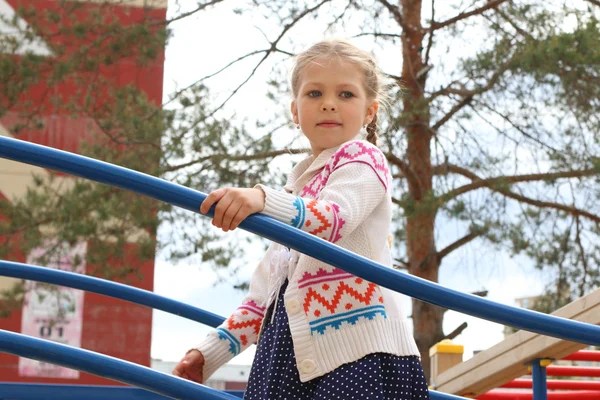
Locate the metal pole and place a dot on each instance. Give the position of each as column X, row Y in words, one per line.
column 538, row 374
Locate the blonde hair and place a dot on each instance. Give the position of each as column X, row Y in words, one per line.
column 375, row 82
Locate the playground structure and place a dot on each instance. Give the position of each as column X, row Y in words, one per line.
column 520, row 354
column 564, row 329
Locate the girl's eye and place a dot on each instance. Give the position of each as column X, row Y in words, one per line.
column 314, row 93
column 347, row 95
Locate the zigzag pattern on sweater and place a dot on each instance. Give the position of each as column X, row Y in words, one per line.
column 355, row 151
column 341, row 289
column 335, row 297
column 238, row 333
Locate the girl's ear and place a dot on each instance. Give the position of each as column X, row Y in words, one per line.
column 371, row 111
column 294, row 110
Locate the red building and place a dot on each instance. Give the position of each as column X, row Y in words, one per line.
column 105, row 325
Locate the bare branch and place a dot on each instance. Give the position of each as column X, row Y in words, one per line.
column 395, row 11
column 339, row 17
column 457, row 107
column 239, row 157
column 402, row 264
column 430, row 41
column 396, row 201
column 596, row 2
column 450, row 89
column 413, row 180
column 375, row 34
column 582, row 256
column 459, row 243
column 457, row 331
column 187, row 14
column 179, row 92
column 489, row 5
column 272, row 49
column 468, row 95
column 444, row 169
column 514, row 125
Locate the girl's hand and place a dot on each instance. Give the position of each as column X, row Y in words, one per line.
column 233, row 206
column 191, row 366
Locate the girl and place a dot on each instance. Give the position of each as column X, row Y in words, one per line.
column 324, row 333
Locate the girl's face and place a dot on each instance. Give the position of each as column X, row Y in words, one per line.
column 332, row 105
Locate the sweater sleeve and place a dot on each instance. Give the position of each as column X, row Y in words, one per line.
column 347, row 190
column 241, row 329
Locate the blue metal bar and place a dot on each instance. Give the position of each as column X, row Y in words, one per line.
column 117, row 290
column 38, row 391
column 322, row 250
column 108, row 367
column 108, row 288
column 538, row 377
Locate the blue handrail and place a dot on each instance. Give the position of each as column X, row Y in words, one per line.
column 119, row 291
column 119, row 370
column 53, row 391
column 109, row 367
column 296, row 239
column 108, row 288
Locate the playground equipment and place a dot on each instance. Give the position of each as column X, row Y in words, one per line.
column 510, row 358
column 272, row 230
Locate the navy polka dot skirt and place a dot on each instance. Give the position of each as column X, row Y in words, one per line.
column 377, row 376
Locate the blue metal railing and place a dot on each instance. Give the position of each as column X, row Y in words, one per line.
column 296, row 239
column 303, row 242
column 108, row 288
column 106, row 366
column 37, row 391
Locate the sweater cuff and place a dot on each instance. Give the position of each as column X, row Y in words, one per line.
column 279, row 204
column 215, row 352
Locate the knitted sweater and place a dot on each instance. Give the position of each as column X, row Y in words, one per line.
column 341, row 196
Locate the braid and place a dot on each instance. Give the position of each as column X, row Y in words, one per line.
column 372, row 131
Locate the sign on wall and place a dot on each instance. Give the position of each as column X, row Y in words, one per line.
column 53, row 313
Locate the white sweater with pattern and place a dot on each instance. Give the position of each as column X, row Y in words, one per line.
column 341, row 196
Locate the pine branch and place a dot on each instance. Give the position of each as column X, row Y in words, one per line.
column 491, row 182
column 490, row 4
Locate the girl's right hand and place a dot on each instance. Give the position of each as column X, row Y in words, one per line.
column 191, row 366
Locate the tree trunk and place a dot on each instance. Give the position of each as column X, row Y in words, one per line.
column 422, row 257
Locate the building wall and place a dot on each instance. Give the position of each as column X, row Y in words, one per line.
column 113, row 327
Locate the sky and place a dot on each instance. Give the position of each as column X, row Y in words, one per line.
column 195, row 51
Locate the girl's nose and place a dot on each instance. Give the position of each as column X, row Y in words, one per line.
column 327, row 107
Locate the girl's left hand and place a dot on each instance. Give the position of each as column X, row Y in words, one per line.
column 233, row 206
